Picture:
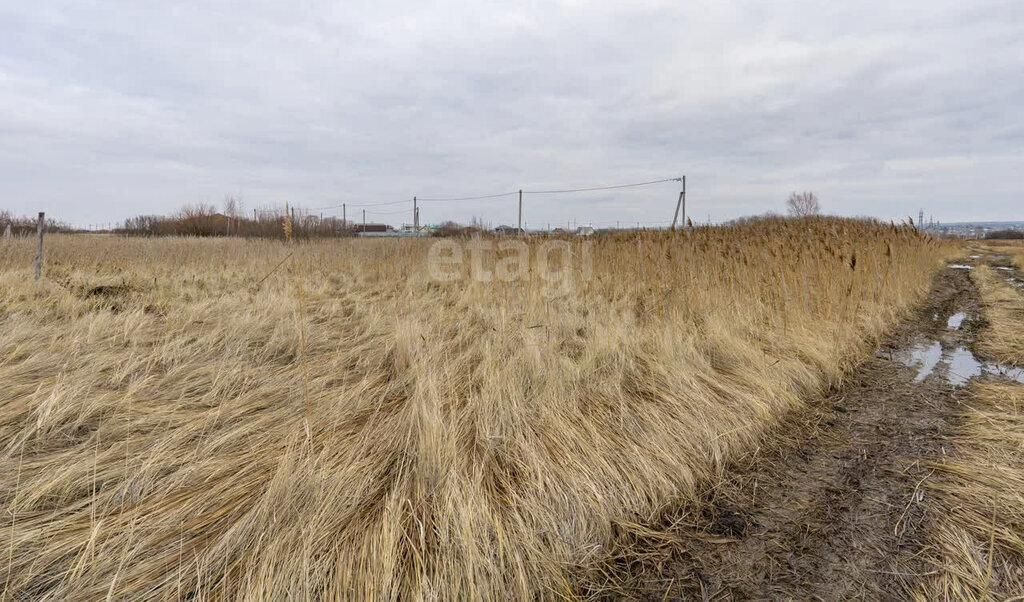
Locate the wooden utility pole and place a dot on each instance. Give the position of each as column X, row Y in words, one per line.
column 364, row 221
column 39, row 244
column 520, row 211
column 682, row 202
column 415, row 216
column 344, row 217
column 680, row 205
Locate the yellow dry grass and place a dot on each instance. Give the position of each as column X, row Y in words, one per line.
column 977, row 538
column 1003, row 338
column 466, row 439
column 1016, row 253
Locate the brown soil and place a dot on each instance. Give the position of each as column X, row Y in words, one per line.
column 833, row 512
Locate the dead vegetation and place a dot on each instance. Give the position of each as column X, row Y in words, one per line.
column 466, row 439
column 976, row 539
column 1003, row 340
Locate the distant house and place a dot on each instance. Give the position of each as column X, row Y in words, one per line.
column 506, row 230
column 361, row 228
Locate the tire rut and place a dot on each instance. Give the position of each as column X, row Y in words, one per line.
column 833, row 511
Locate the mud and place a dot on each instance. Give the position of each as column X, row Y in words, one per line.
column 833, row 511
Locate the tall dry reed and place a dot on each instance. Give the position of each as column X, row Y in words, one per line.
column 469, row 439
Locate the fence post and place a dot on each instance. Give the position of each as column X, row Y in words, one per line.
column 682, row 202
column 520, row 226
column 39, row 244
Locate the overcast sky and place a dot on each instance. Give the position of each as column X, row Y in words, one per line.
column 110, row 109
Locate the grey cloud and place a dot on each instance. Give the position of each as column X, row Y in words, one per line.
column 126, row 107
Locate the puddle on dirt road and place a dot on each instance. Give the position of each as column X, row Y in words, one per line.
column 924, row 358
column 954, row 321
column 962, row 364
column 960, row 266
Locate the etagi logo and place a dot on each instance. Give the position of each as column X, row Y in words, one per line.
column 556, row 263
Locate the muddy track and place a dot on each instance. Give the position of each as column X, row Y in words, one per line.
column 1002, row 264
column 834, row 511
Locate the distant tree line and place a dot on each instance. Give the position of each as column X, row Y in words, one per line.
column 205, row 220
column 1005, row 235
column 26, row 226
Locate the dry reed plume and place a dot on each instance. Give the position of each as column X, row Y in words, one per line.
column 468, row 439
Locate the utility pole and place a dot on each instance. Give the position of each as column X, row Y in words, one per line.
column 520, row 211
column 364, row 221
column 682, row 197
column 415, row 216
column 39, row 244
column 680, row 205
column 344, row 221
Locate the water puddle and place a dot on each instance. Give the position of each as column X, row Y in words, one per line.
column 975, row 257
column 960, row 266
column 961, row 364
column 924, row 358
column 954, row 321
column 1004, row 268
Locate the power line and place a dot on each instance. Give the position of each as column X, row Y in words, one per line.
column 679, row 179
column 501, row 194
column 338, row 206
column 472, row 198
column 387, row 212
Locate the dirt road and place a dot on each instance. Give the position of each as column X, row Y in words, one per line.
column 835, row 511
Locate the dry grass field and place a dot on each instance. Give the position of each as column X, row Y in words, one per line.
column 976, row 545
column 180, row 420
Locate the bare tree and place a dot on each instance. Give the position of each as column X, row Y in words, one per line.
column 803, row 204
column 232, row 206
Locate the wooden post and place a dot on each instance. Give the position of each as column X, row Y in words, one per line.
column 682, row 202
column 39, row 244
column 520, row 211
